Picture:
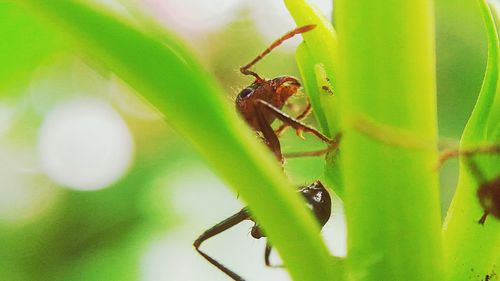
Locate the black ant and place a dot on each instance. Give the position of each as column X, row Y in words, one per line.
column 260, row 104
column 489, row 190
column 317, row 198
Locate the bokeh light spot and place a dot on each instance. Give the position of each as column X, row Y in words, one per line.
column 84, row 144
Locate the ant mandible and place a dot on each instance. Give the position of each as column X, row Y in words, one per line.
column 489, row 190
column 261, row 103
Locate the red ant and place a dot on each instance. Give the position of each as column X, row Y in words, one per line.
column 489, row 190
column 260, row 104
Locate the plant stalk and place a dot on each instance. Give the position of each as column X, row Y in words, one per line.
column 471, row 249
column 387, row 88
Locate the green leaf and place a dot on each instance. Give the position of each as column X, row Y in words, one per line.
column 313, row 88
column 387, row 91
column 168, row 77
column 317, row 60
column 319, row 50
column 19, row 55
column 493, row 125
column 476, row 128
column 472, row 249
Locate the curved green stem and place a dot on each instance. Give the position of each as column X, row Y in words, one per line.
column 320, row 49
column 388, row 96
column 472, row 249
column 314, row 90
column 194, row 105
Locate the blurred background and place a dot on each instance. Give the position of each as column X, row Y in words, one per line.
column 96, row 186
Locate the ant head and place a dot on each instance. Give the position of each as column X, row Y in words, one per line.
column 489, row 197
column 318, row 200
column 275, row 91
column 248, row 92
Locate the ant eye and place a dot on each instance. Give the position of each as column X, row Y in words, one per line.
column 245, row 93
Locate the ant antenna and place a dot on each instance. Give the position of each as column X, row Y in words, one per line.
column 245, row 69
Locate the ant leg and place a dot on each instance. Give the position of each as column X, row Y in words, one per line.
column 468, row 157
column 270, row 136
column 294, row 123
column 474, row 169
column 447, row 155
column 218, row 228
column 267, row 254
column 482, row 220
column 452, row 153
column 301, row 116
column 245, row 69
column 334, row 145
column 481, row 179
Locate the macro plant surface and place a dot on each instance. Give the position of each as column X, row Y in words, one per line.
column 381, row 70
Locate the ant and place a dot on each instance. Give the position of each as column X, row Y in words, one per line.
column 317, row 198
column 261, row 103
column 489, row 190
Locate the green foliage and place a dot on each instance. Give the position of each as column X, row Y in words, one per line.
column 374, row 82
column 167, row 75
column 19, row 54
column 471, row 248
column 387, row 107
column 387, row 90
column 318, row 52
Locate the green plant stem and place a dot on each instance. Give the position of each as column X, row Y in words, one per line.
column 320, row 48
column 475, row 130
column 472, row 249
column 306, row 65
column 317, row 60
column 387, row 87
column 174, row 83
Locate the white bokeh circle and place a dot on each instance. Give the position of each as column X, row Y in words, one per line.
column 84, row 144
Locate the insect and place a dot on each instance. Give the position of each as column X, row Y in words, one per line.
column 317, row 198
column 488, row 191
column 261, row 103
